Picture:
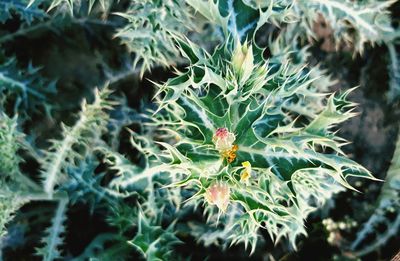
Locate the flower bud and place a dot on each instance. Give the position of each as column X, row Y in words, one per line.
column 243, row 61
column 223, row 140
column 218, row 194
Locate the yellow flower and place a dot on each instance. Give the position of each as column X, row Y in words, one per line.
column 230, row 155
column 246, row 173
column 218, row 194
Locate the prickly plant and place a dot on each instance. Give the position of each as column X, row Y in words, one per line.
column 250, row 143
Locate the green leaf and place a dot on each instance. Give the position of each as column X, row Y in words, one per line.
column 153, row 242
column 84, row 133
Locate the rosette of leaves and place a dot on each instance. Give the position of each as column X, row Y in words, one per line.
column 243, row 144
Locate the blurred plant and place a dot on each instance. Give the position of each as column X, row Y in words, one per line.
column 335, row 229
column 150, row 31
column 76, row 140
column 24, row 90
column 394, row 72
column 15, row 188
column 20, row 7
column 73, row 7
column 352, row 23
column 386, row 215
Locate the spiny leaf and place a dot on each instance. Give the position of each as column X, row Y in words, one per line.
column 9, row 204
column 53, row 239
column 150, row 34
column 153, row 242
column 10, row 142
column 87, row 129
column 24, row 90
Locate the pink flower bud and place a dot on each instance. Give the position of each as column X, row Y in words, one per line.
column 218, row 194
column 223, row 139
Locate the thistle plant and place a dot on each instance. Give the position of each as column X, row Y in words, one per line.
column 242, row 144
column 247, row 148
